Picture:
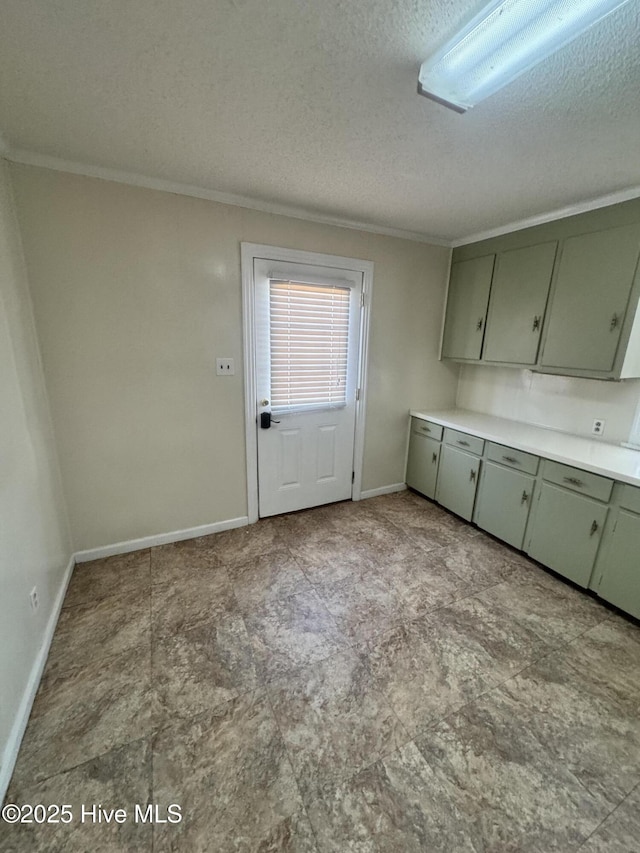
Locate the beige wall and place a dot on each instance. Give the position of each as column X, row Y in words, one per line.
column 557, row 402
column 34, row 540
column 135, row 294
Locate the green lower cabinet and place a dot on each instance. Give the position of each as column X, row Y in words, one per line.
column 617, row 575
column 565, row 532
column 457, row 481
column 504, row 499
column 422, row 464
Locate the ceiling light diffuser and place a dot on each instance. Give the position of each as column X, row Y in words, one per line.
column 505, row 39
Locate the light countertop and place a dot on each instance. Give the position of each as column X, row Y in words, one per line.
column 610, row 460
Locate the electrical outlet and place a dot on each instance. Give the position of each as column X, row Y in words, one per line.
column 598, row 426
column 225, row 367
column 33, row 598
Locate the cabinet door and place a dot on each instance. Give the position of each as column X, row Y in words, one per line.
column 469, row 287
column 518, row 300
column 566, row 532
column 619, row 571
column 589, row 302
column 422, row 464
column 457, row 481
column 504, row 499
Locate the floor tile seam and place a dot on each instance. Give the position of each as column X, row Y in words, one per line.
column 99, row 600
column 351, row 641
column 185, row 570
column 363, row 658
column 562, row 643
column 293, row 771
column 614, row 809
column 267, row 681
column 424, row 733
column 421, row 544
column 228, row 567
column 65, row 671
column 31, row 781
column 66, row 633
column 532, row 663
column 160, row 637
column 247, row 612
column 572, row 643
column 293, row 674
column 339, row 780
column 499, row 686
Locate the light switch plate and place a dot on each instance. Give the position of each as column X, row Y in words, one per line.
column 225, row 367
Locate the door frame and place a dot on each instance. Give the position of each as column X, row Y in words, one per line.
column 248, row 252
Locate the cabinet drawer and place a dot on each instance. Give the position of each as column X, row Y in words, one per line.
column 578, row 481
column 467, row 442
column 630, row 499
column 426, row 428
column 513, row 458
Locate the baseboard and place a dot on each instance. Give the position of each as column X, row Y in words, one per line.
column 159, row 539
column 383, row 490
column 22, row 717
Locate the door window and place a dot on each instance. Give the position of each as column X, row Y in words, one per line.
column 309, row 345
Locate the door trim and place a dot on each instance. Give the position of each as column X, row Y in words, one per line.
column 250, row 251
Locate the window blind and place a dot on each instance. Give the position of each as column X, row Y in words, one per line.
column 309, row 334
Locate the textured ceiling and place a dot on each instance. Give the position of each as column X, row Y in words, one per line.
column 312, row 104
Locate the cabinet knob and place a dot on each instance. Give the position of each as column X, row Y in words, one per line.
column 613, row 323
column 594, row 528
column 536, row 324
column 479, row 324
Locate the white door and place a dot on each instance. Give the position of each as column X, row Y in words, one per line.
column 308, row 322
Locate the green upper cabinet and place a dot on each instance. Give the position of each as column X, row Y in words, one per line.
column 519, row 294
column 560, row 297
column 469, row 287
column 592, row 288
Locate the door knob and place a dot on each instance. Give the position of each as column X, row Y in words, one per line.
column 264, row 402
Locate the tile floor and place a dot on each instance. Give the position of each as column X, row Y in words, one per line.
column 373, row 676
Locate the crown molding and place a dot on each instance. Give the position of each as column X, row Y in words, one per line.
column 45, row 161
column 551, row 216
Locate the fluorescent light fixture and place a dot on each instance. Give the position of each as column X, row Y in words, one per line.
column 505, row 39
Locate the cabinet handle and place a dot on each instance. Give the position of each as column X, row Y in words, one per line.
column 479, row 324
column 525, row 498
column 594, row 527
column 536, row 324
column 613, row 323
column 511, row 459
column 472, row 476
column 573, row 481
column 434, row 458
column 462, row 443
column 425, row 429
